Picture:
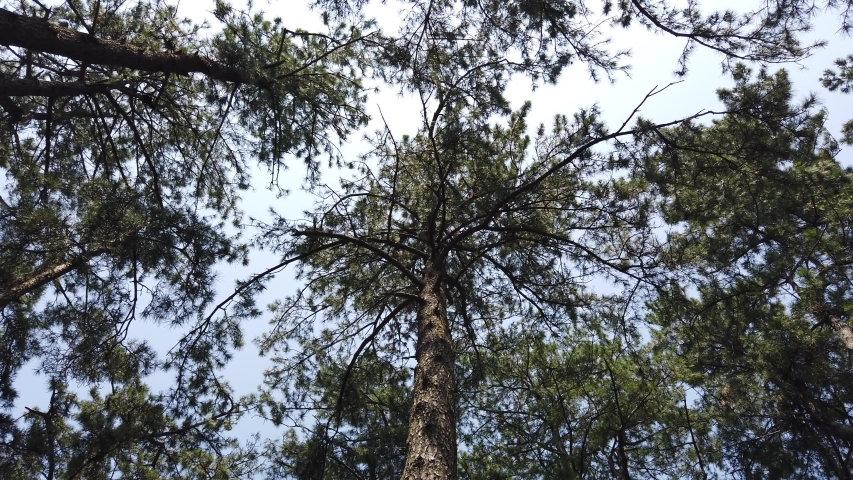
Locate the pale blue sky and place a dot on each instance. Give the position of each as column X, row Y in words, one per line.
column 654, row 59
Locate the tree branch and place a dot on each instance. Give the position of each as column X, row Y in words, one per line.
column 44, row 277
column 367, row 246
column 478, row 223
column 46, row 37
column 19, row 87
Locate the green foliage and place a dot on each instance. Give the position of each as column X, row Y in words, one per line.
column 759, row 309
column 364, row 433
column 841, row 81
column 724, row 352
column 594, row 403
column 514, row 226
column 115, row 209
column 127, row 432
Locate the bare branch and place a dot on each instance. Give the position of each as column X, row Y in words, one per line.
column 367, row 246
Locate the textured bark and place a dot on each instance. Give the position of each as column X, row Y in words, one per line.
column 431, row 446
column 13, row 292
column 845, row 333
column 42, row 36
column 621, row 439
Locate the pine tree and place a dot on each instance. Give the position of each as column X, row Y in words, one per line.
column 427, row 253
column 759, row 306
column 129, row 137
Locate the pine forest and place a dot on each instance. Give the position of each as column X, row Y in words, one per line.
column 337, row 240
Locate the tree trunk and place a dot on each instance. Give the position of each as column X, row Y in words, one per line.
column 431, row 446
column 42, row 36
column 845, row 333
column 15, row 290
column 621, row 439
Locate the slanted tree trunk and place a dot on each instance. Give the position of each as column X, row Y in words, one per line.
column 43, row 36
column 15, row 290
column 844, row 331
column 431, row 446
column 832, row 317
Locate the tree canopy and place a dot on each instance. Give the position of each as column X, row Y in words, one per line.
column 478, row 299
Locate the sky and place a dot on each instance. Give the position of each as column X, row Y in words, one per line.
column 654, row 59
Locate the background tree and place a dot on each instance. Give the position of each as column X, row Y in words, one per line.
column 548, row 35
column 595, row 402
column 359, row 430
column 760, row 315
column 127, row 136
